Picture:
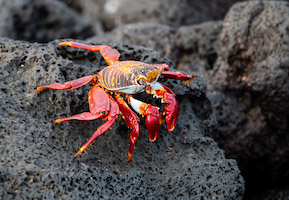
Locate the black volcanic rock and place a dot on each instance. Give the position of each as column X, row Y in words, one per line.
column 245, row 63
column 193, row 48
column 174, row 13
column 36, row 153
column 42, row 21
column 249, row 90
column 244, row 60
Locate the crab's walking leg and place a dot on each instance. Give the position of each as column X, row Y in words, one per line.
column 109, row 54
column 171, row 110
column 110, row 117
column 85, row 116
column 97, row 133
column 186, row 79
column 99, row 105
column 131, row 120
column 151, row 113
column 69, row 85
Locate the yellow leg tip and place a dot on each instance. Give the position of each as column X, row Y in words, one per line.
column 79, row 152
column 187, row 82
column 76, row 155
column 64, row 44
column 39, row 90
column 129, row 159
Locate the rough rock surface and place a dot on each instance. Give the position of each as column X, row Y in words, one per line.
column 249, row 90
column 36, row 153
column 42, row 21
column 243, row 59
column 175, row 13
column 152, row 35
column 192, row 48
column 245, row 63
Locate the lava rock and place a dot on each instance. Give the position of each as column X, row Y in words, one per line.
column 152, row 35
column 41, row 21
column 273, row 194
column 193, row 48
column 175, row 13
column 36, row 158
column 249, row 90
column 198, row 47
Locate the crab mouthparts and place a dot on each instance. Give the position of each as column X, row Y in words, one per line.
column 153, row 75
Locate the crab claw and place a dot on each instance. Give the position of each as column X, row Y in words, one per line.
column 170, row 111
column 153, row 122
column 152, row 116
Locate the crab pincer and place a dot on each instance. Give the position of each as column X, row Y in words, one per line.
column 152, row 116
column 171, row 110
column 153, row 122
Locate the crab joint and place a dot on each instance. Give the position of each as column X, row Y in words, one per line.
column 152, row 116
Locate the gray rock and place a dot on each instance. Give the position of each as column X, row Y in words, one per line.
column 193, row 48
column 249, row 90
column 198, row 47
column 41, row 21
column 152, row 35
column 175, row 13
column 36, row 153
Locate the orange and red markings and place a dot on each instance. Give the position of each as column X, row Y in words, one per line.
column 171, row 110
column 109, row 54
column 98, row 100
column 131, row 120
column 111, row 117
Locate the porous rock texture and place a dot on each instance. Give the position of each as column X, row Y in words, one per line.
column 36, row 154
column 244, row 60
column 249, row 90
column 193, row 48
column 43, row 21
column 175, row 13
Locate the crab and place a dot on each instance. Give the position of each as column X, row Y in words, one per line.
column 112, row 91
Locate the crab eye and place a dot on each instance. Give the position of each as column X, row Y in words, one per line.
column 141, row 81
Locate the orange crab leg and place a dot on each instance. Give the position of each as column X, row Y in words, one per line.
column 69, row 85
column 171, row 110
column 99, row 105
column 131, row 120
column 109, row 54
column 97, row 133
column 98, row 100
column 152, row 116
column 111, row 117
column 186, row 79
column 85, row 116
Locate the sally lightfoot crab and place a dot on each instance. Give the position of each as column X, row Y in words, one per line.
column 113, row 88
